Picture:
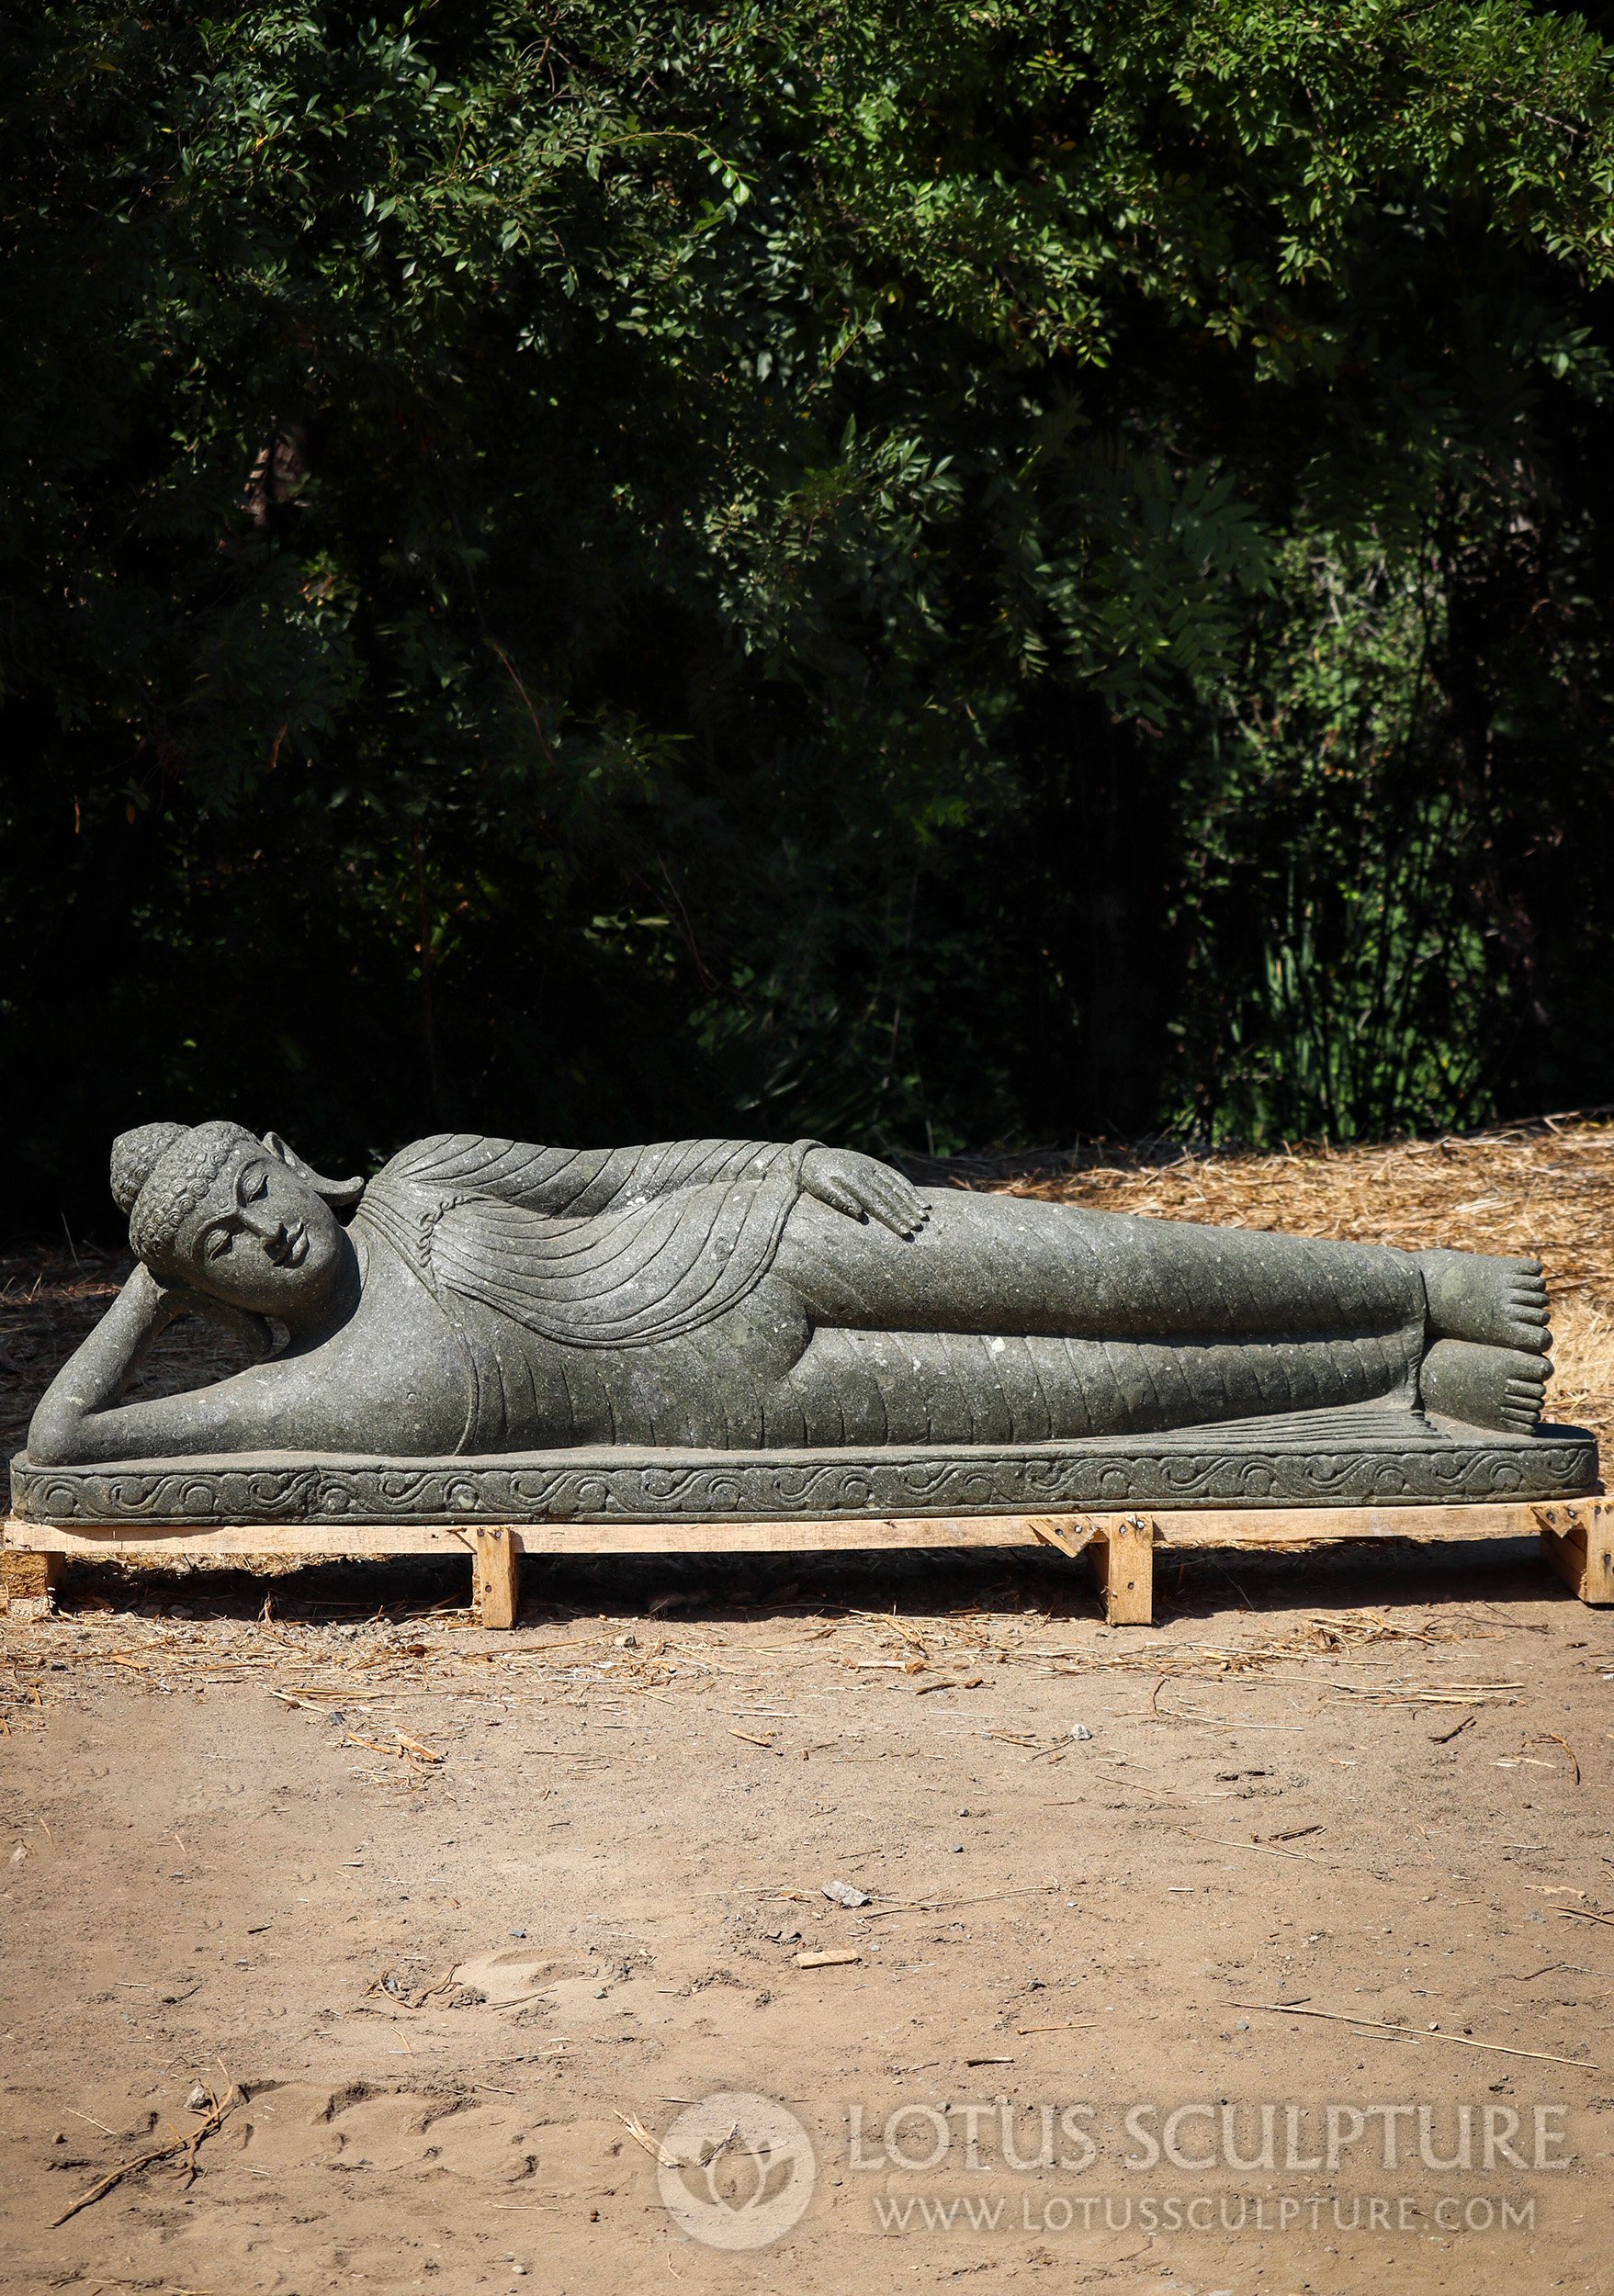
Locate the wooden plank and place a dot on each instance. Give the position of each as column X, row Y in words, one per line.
column 151, row 1542
column 1182, row 1526
column 161, row 1542
column 496, row 1579
column 848, row 1533
column 1123, row 1557
column 1269, row 1526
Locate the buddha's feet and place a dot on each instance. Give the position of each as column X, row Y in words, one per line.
column 1492, row 1303
column 1485, row 1387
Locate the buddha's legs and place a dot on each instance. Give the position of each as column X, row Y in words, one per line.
column 1010, row 1320
column 1004, row 1265
column 963, row 1386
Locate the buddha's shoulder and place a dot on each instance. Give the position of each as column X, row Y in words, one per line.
column 464, row 1160
column 439, row 1156
column 432, row 1179
column 404, row 1203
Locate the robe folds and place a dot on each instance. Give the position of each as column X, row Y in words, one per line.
column 593, row 1248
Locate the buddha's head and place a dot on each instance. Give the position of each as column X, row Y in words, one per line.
column 216, row 1211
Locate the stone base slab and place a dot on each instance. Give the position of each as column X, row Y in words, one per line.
column 1373, row 1455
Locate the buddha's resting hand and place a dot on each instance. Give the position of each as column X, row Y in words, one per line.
column 863, row 1189
column 164, row 1303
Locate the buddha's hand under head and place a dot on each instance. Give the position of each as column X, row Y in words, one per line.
column 255, row 1332
column 863, row 1189
column 157, row 1304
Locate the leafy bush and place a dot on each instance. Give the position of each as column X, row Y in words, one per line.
column 927, row 572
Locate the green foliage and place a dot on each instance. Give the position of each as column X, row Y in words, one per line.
column 926, row 572
column 1335, row 863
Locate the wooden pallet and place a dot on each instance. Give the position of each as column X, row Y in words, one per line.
column 1577, row 1540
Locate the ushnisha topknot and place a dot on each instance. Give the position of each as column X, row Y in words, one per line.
column 161, row 1173
column 134, row 1158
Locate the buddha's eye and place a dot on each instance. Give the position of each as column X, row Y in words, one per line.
column 252, row 1185
column 219, row 1243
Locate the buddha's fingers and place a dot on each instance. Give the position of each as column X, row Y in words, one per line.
column 901, row 1208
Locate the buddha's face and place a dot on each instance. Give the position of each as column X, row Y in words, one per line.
column 262, row 1238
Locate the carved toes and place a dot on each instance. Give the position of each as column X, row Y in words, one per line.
column 1485, row 1387
column 1489, row 1302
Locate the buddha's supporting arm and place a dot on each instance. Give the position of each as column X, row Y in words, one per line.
column 79, row 1417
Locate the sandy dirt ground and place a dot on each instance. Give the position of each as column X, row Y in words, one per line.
column 343, row 1945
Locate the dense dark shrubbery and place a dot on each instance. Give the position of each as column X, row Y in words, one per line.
column 924, row 572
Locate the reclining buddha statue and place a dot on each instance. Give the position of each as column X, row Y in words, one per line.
column 482, row 1296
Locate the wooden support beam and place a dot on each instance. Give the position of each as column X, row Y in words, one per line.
column 1316, row 1527
column 1178, row 1526
column 1577, row 1542
column 1071, row 1535
column 151, row 1542
column 496, row 1574
column 1121, row 1553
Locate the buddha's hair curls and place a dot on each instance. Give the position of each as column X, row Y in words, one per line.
column 162, row 1172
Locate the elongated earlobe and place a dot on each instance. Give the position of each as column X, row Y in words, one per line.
column 333, row 1191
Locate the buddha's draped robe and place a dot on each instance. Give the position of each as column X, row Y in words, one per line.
column 594, row 1248
column 653, row 1295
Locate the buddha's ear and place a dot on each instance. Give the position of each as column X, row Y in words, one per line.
column 333, row 1191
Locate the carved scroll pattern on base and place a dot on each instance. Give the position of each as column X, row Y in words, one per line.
column 1324, row 1458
